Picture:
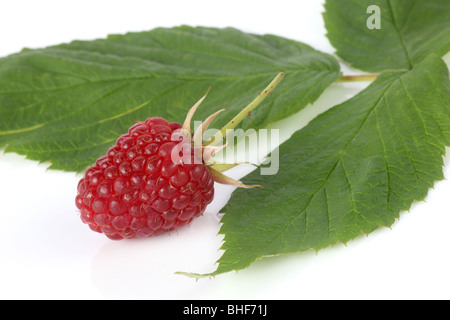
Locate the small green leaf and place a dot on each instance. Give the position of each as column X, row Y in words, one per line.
column 351, row 170
column 68, row 104
column 409, row 30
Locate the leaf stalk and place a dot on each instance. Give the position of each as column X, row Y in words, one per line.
column 359, row 77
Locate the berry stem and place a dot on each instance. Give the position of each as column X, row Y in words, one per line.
column 218, row 137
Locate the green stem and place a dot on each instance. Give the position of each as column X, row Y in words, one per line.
column 218, row 137
column 364, row 77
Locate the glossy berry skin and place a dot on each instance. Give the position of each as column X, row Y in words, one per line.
column 137, row 191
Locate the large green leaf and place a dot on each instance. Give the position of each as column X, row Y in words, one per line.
column 352, row 169
column 409, row 31
column 68, row 103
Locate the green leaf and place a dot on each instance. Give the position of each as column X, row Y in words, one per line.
column 409, row 31
column 67, row 104
column 351, row 170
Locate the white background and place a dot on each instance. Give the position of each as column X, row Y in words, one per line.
column 47, row 253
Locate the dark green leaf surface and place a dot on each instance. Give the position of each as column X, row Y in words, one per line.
column 410, row 30
column 67, row 104
column 351, row 170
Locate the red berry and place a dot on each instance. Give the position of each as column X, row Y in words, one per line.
column 137, row 191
